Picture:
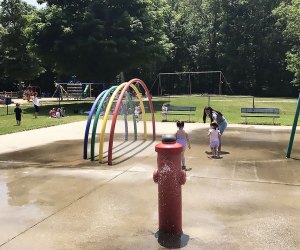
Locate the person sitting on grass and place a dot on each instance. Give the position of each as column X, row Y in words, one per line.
column 52, row 113
column 58, row 114
column 62, row 112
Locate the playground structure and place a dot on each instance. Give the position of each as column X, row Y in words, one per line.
column 29, row 92
column 75, row 90
column 104, row 105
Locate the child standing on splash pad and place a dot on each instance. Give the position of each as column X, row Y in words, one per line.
column 182, row 138
column 214, row 139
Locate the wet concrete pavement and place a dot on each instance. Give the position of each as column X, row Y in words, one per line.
column 52, row 199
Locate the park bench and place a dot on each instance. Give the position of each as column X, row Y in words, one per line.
column 260, row 112
column 179, row 111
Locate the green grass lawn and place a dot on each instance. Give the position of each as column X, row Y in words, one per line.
column 230, row 106
column 8, row 122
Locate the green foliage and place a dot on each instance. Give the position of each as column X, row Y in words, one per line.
column 238, row 37
column 288, row 14
column 17, row 60
column 255, row 43
column 99, row 39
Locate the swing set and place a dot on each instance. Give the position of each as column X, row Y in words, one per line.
column 192, row 82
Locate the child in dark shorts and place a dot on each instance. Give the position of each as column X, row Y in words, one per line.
column 18, row 112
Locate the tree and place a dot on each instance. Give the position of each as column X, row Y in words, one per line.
column 237, row 37
column 17, row 61
column 288, row 14
column 99, row 39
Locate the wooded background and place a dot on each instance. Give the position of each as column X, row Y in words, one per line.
column 255, row 43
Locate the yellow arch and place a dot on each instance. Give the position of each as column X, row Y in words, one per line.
column 108, row 107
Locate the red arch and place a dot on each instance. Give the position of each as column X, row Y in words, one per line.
column 116, row 110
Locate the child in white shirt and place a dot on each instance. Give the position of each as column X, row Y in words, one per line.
column 214, row 139
column 58, row 114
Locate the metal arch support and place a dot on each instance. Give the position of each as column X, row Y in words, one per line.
column 112, row 130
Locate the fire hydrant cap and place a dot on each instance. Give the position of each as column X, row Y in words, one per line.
column 169, row 145
column 168, row 139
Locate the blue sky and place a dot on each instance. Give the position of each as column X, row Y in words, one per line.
column 33, row 2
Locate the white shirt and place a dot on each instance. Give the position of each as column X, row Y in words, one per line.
column 36, row 101
column 214, row 134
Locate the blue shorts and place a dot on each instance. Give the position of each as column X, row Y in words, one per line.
column 222, row 126
column 182, row 142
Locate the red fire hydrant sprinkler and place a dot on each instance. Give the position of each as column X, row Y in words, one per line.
column 169, row 177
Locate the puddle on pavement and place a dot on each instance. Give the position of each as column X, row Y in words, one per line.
column 18, row 211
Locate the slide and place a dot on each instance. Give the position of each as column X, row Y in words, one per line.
column 86, row 90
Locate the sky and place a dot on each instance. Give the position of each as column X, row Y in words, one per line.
column 33, row 2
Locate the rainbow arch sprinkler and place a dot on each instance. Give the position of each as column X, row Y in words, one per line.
column 103, row 105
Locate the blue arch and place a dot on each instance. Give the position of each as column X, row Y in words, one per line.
column 97, row 118
column 88, row 124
